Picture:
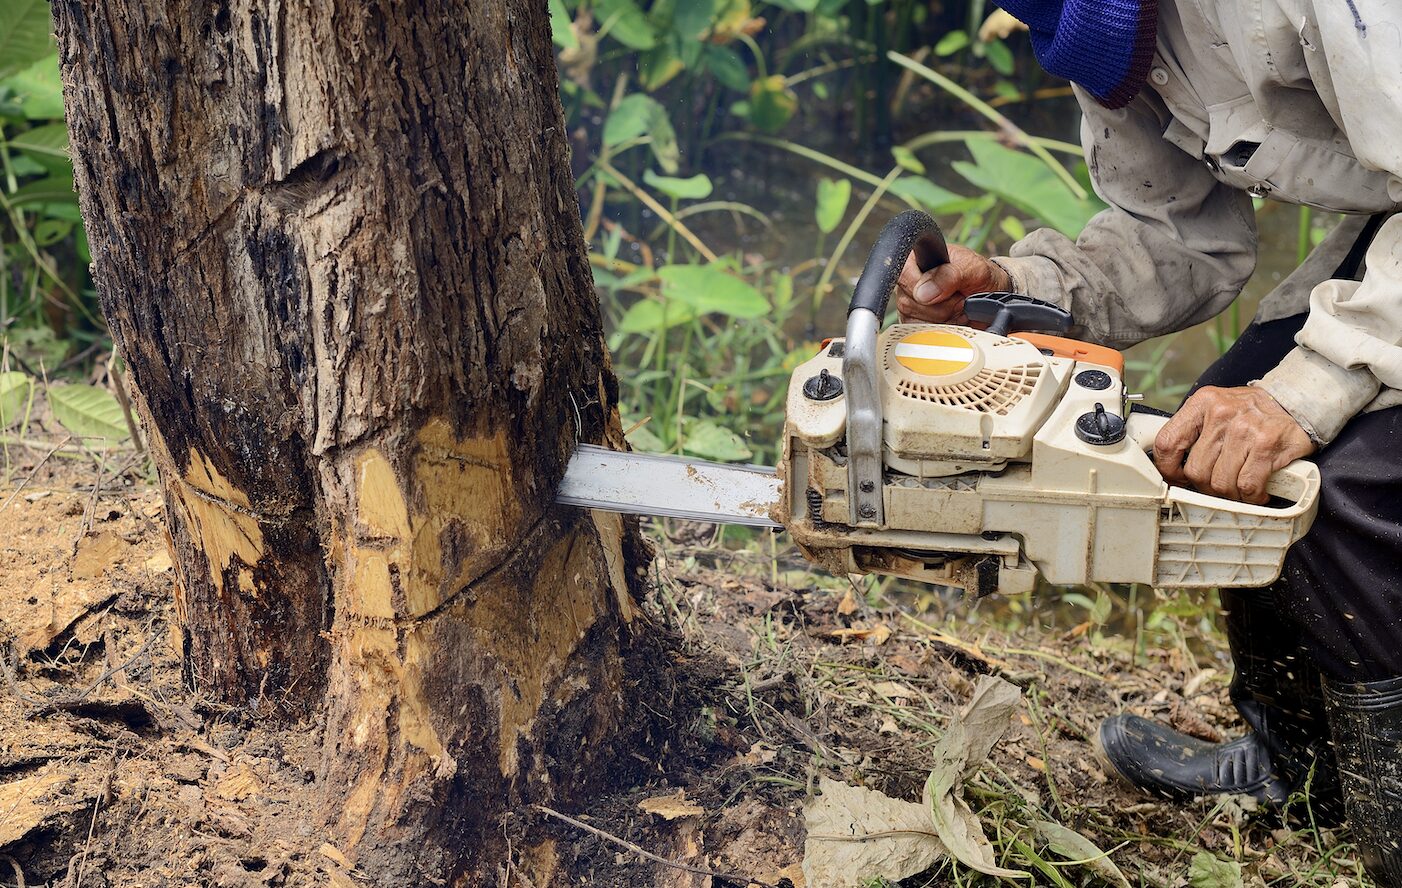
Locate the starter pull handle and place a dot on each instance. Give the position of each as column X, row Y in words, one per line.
column 1006, row 313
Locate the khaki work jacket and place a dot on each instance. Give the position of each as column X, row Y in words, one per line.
column 1292, row 100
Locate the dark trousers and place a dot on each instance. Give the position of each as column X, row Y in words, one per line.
column 1342, row 584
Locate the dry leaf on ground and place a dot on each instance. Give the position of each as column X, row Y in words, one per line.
column 1065, row 842
column 856, row 834
column 964, row 747
column 877, row 634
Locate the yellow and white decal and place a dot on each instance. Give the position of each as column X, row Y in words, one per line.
column 935, row 353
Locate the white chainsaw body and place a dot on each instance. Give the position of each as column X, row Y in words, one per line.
column 985, row 482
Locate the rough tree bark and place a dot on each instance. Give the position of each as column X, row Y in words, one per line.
column 338, row 245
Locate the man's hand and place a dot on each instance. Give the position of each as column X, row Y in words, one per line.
column 937, row 296
column 1228, row 442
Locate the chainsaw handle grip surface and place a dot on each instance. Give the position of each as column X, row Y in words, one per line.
column 910, row 232
column 1298, row 482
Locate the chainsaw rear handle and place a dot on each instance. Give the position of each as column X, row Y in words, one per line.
column 1298, row 482
column 910, row 232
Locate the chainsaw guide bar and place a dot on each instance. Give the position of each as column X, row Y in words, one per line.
column 671, row 487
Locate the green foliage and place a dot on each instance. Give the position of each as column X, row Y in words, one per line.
column 88, row 411
column 1208, row 871
column 16, row 391
column 25, row 34
column 833, row 197
column 1027, row 183
column 46, row 302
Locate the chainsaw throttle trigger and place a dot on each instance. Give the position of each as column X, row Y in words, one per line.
column 1006, row 313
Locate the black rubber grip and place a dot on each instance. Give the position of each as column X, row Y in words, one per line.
column 911, row 231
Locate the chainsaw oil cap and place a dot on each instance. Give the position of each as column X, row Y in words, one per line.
column 1100, row 428
column 942, row 354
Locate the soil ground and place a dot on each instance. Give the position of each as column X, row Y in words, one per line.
column 115, row 772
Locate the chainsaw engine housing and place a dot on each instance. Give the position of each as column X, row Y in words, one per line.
column 1003, row 456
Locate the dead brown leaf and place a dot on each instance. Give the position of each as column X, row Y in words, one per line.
column 878, row 634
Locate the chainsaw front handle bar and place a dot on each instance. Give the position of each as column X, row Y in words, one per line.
column 910, row 232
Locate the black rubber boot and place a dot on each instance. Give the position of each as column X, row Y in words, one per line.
column 1366, row 720
column 1277, row 690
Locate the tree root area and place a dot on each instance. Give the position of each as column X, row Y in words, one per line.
column 117, row 770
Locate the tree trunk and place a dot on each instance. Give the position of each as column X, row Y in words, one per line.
column 339, row 247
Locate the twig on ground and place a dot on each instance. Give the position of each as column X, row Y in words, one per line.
column 75, row 699
column 12, row 680
column 19, row 872
column 675, row 864
column 30, row 476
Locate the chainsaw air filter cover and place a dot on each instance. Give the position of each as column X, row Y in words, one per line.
column 954, row 395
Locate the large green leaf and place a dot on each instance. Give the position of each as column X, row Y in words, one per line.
column 38, row 89
column 641, row 115
column 26, row 34
column 1025, row 182
column 926, row 193
column 1207, row 871
column 51, row 189
column 49, row 140
column 698, row 187
column 88, row 412
column 691, row 17
column 649, row 316
column 658, row 66
column 15, row 389
column 772, row 103
column 728, row 67
column 710, row 441
column 833, row 197
column 625, row 22
column 709, row 289
column 560, row 28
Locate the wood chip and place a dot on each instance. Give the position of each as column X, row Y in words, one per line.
column 237, row 784
column 28, row 803
column 158, row 563
column 97, row 554
column 671, row 807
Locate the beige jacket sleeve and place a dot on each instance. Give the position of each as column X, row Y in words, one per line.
column 1351, row 345
column 1173, row 249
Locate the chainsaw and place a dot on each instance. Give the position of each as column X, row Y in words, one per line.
column 966, row 457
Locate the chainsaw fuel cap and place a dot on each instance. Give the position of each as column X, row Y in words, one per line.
column 1100, row 428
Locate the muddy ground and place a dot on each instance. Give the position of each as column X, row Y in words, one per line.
column 114, row 772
